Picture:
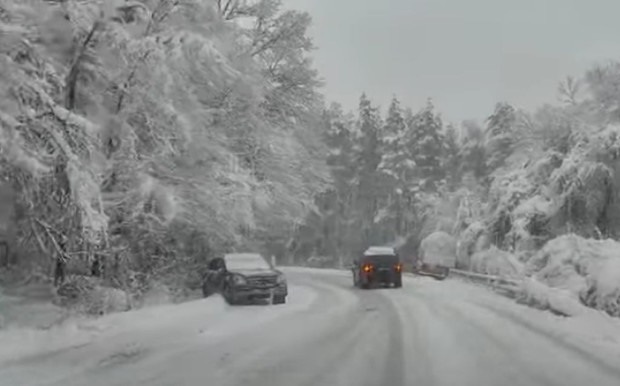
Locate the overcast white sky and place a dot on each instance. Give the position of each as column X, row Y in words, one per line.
column 465, row 54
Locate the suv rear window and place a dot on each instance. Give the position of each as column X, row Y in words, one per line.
column 381, row 260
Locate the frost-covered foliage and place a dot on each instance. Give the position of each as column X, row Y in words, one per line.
column 537, row 178
column 396, row 159
column 147, row 135
column 538, row 295
column 389, row 182
column 501, row 135
column 556, row 194
column 590, row 269
column 426, row 147
column 519, row 203
column 494, row 261
column 452, row 159
column 87, row 295
column 439, row 248
column 561, row 178
column 472, row 240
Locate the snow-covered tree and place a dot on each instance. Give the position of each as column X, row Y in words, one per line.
column 340, row 138
column 396, row 158
column 451, row 159
column 568, row 91
column 370, row 190
column 425, row 144
column 500, row 135
column 473, row 151
column 142, row 131
column 398, row 165
column 603, row 82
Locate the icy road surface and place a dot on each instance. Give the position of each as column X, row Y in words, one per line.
column 427, row 333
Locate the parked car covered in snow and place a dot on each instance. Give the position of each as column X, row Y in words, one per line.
column 437, row 255
column 243, row 277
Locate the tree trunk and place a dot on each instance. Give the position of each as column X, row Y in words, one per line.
column 61, row 262
column 5, row 254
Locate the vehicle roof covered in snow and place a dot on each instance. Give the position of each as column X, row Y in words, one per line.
column 376, row 251
column 245, row 261
column 242, row 256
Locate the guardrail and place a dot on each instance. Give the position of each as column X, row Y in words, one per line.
column 511, row 287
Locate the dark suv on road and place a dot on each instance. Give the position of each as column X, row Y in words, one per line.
column 378, row 265
column 243, row 277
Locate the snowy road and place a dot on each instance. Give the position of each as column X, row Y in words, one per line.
column 427, row 333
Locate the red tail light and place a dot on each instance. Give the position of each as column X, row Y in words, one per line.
column 367, row 267
column 398, row 267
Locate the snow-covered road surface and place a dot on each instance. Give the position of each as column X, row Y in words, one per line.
column 426, row 333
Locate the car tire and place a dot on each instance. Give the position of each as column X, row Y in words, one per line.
column 205, row 290
column 398, row 283
column 279, row 299
column 229, row 296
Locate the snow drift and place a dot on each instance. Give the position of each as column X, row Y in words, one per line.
column 494, row 261
column 589, row 269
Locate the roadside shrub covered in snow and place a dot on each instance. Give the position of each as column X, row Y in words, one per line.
column 520, row 204
column 530, row 224
column 588, row 268
column 494, row 261
column 87, row 295
column 474, row 239
column 158, row 293
column 469, row 209
column 439, row 248
column 538, row 295
column 583, row 190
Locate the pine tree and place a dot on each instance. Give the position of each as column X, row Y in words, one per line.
column 500, row 135
column 340, row 137
column 396, row 165
column 425, row 145
column 473, row 152
column 369, row 188
column 395, row 156
column 369, row 137
column 451, row 160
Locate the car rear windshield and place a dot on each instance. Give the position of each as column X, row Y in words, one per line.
column 380, row 260
column 246, row 262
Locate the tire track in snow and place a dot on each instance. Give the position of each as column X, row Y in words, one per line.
column 582, row 353
column 524, row 343
column 354, row 346
column 490, row 349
